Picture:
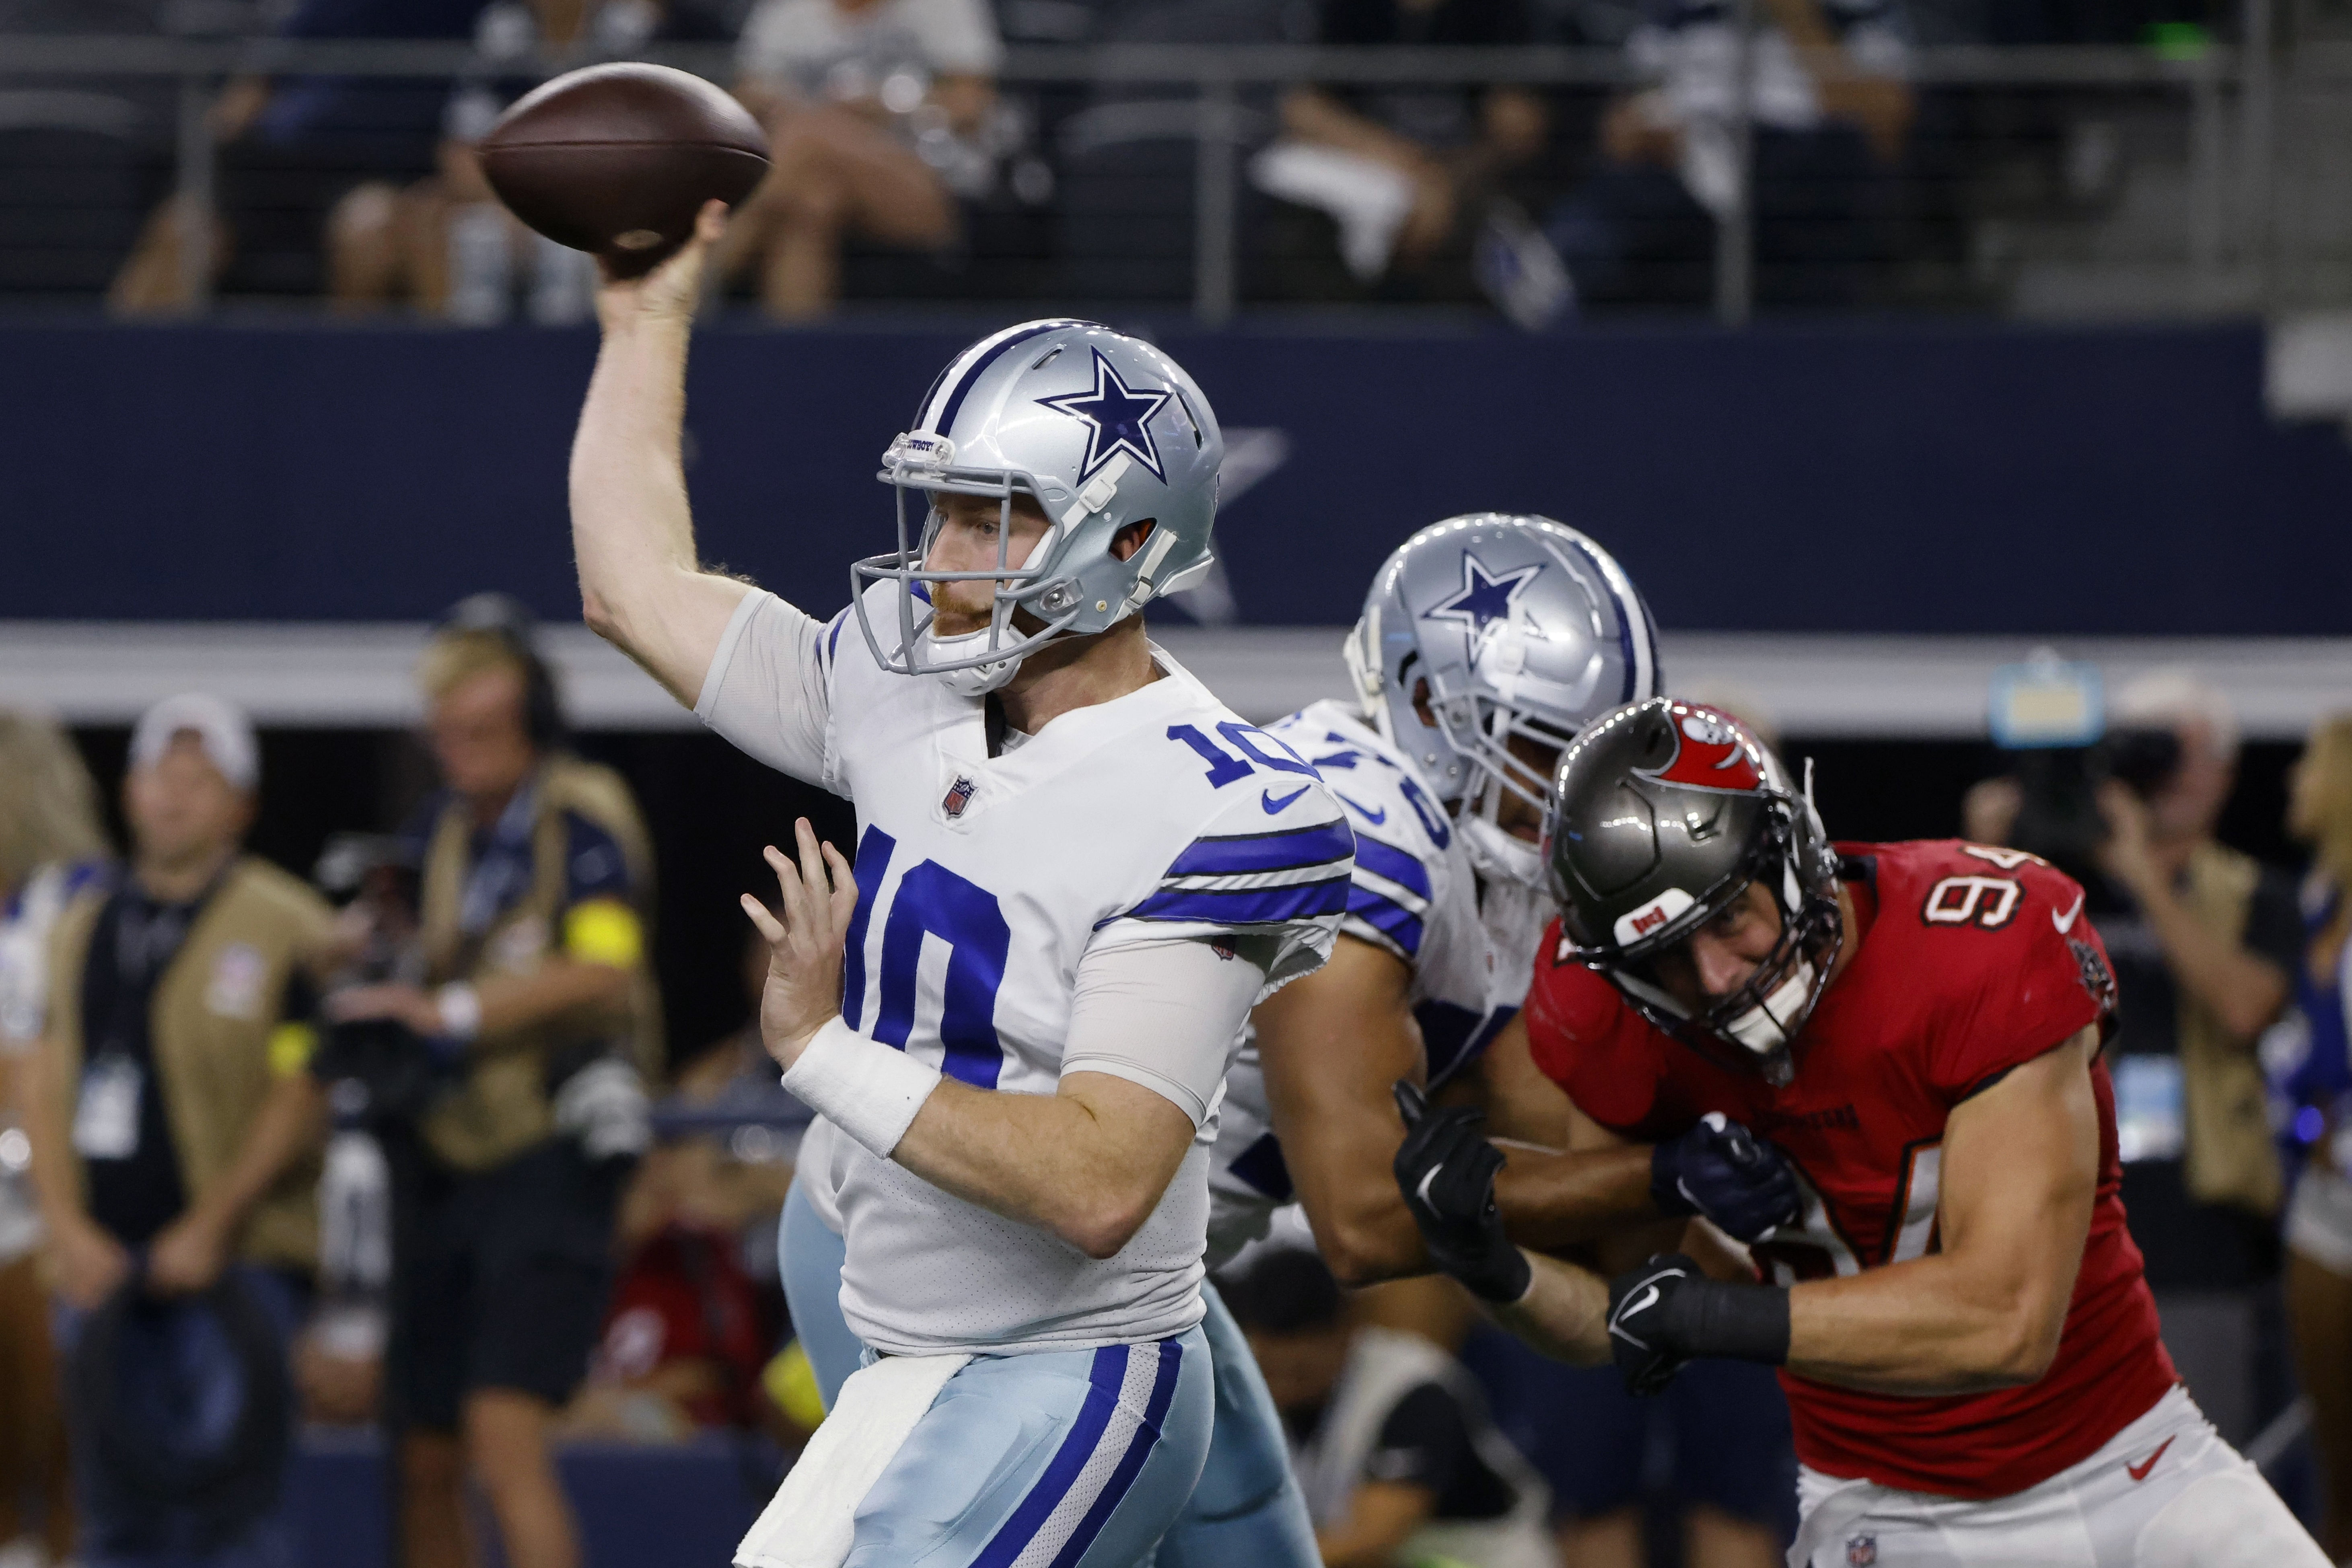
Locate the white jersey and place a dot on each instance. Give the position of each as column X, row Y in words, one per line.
column 982, row 881
column 1415, row 893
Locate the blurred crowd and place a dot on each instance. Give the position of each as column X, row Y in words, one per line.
column 905, row 169
column 401, row 1145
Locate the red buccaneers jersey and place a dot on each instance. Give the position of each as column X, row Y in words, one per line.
column 1968, row 963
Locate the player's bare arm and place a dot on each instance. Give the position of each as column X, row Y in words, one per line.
column 1088, row 1164
column 2021, row 1169
column 641, row 586
column 1331, row 1044
column 1588, row 1183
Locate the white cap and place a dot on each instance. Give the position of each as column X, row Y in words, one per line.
column 221, row 725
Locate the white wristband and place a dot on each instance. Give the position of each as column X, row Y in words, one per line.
column 460, row 1006
column 865, row 1087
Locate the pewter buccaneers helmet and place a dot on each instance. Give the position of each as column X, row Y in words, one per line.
column 1664, row 813
column 1520, row 626
column 1103, row 430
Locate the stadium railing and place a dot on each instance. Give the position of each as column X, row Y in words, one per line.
column 2070, row 180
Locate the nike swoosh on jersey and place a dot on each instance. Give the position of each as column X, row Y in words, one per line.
column 1265, row 798
column 1366, row 812
column 2139, row 1472
column 2066, row 922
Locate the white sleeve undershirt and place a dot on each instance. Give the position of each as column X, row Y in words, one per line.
column 765, row 691
column 1167, row 1015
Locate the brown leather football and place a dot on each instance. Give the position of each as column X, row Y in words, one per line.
column 617, row 159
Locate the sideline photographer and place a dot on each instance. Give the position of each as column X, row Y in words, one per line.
column 174, row 1128
column 535, row 885
column 2204, row 940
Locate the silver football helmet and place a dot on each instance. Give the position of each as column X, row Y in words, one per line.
column 1103, row 430
column 1519, row 626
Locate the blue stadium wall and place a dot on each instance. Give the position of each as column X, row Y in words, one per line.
column 1892, row 479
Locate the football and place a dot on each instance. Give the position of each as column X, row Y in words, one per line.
column 618, row 159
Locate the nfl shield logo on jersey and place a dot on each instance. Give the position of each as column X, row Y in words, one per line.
column 959, row 795
column 1862, row 1551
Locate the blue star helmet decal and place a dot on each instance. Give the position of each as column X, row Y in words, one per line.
column 1118, row 417
column 1485, row 597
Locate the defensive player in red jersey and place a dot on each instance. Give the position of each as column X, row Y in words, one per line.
column 1969, row 1351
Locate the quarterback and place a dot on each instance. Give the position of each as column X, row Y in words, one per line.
column 1075, row 874
column 1969, row 1348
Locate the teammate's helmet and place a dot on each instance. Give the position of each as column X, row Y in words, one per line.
column 1520, row 626
column 1104, row 430
column 1664, row 813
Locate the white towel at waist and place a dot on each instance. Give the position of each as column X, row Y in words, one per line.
column 810, row 1520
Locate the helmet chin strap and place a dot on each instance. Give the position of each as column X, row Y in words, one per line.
column 974, row 680
column 1499, row 857
column 1765, row 1028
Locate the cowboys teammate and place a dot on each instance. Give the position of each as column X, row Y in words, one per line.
column 1075, row 874
column 1486, row 641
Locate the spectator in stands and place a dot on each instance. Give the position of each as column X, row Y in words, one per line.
column 1390, row 1434
column 289, row 150
column 877, row 113
column 1405, row 179
column 51, row 850
column 173, row 1131
column 1830, row 113
column 443, row 244
column 535, row 890
column 2206, row 941
column 2319, row 1218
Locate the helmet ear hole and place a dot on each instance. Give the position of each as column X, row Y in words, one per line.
column 1131, row 538
column 1421, row 707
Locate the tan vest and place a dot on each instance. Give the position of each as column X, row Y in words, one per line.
column 2232, row 1157
column 214, row 1009
column 501, row 1107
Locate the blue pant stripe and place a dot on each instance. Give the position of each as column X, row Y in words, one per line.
column 1105, row 1380
column 1130, row 1463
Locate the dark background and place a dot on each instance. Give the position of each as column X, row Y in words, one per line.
column 711, row 807
column 1865, row 476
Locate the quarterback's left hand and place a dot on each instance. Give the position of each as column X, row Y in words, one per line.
column 1447, row 1170
column 817, row 897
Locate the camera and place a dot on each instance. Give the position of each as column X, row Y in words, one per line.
column 2047, row 712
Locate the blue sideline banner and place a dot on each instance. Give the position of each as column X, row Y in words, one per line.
column 1857, row 478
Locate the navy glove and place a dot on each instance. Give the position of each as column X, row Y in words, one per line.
column 1447, row 1170
column 1726, row 1172
column 1667, row 1312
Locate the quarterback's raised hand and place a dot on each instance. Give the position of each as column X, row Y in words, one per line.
column 1667, row 1312
column 816, row 898
column 1722, row 1171
column 672, row 290
column 1446, row 1169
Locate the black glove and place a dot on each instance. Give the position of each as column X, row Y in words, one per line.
column 1447, row 1172
column 1721, row 1170
column 1667, row 1312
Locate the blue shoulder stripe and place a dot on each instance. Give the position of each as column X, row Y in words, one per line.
column 1247, row 906
column 1240, row 853
column 1390, row 919
column 1387, row 860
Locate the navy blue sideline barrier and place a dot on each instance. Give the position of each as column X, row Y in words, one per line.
column 1887, row 477
column 640, row 1506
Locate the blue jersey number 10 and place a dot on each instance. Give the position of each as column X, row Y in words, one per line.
column 930, row 901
